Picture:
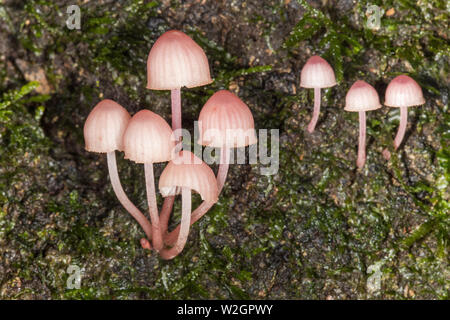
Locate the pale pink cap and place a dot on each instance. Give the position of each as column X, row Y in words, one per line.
column 187, row 170
column 174, row 61
column 403, row 91
column 104, row 127
column 362, row 97
column 317, row 73
column 226, row 121
column 148, row 138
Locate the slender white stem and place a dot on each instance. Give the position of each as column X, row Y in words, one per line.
column 122, row 197
column 316, row 111
column 203, row 208
column 223, row 167
column 362, row 140
column 402, row 127
column 165, row 213
column 152, row 206
column 175, row 95
column 185, row 226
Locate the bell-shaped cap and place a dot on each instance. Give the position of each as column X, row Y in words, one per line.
column 226, row 121
column 317, row 73
column 187, row 170
column 148, row 138
column 403, row 91
column 362, row 97
column 105, row 126
column 174, row 61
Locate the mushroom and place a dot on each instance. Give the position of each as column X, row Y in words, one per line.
column 174, row 61
column 402, row 92
column 360, row 98
column 317, row 73
column 148, row 139
column 103, row 133
column 225, row 122
column 184, row 173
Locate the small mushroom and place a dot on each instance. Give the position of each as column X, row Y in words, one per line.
column 184, row 173
column 360, row 98
column 174, row 61
column 148, row 139
column 225, row 122
column 317, row 73
column 103, row 132
column 402, row 92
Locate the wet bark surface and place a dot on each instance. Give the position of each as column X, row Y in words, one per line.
column 317, row 229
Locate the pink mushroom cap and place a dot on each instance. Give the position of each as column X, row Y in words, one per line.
column 105, row 126
column 175, row 61
column 187, row 170
column 317, row 73
column 362, row 97
column 226, row 121
column 148, row 138
column 403, row 91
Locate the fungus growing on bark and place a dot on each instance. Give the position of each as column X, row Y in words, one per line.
column 148, row 139
column 186, row 173
column 317, row 73
column 402, row 92
column 103, row 133
column 360, row 98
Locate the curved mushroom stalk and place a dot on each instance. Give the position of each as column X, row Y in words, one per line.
column 400, row 132
column 122, row 197
column 201, row 210
column 316, row 112
column 361, row 160
column 223, row 167
column 186, row 206
column 152, row 206
column 402, row 127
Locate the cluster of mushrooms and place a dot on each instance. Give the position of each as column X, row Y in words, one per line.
column 402, row 92
column 225, row 122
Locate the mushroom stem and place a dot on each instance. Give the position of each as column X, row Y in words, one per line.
column 123, row 199
column 176, row 108
column 186, row 206
column 316, row 111
column 196, row 214
column 165, row 213
column 152, row 206
column 166, row 210
column 402, row 127
column 223, row 167
column 362, row 140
